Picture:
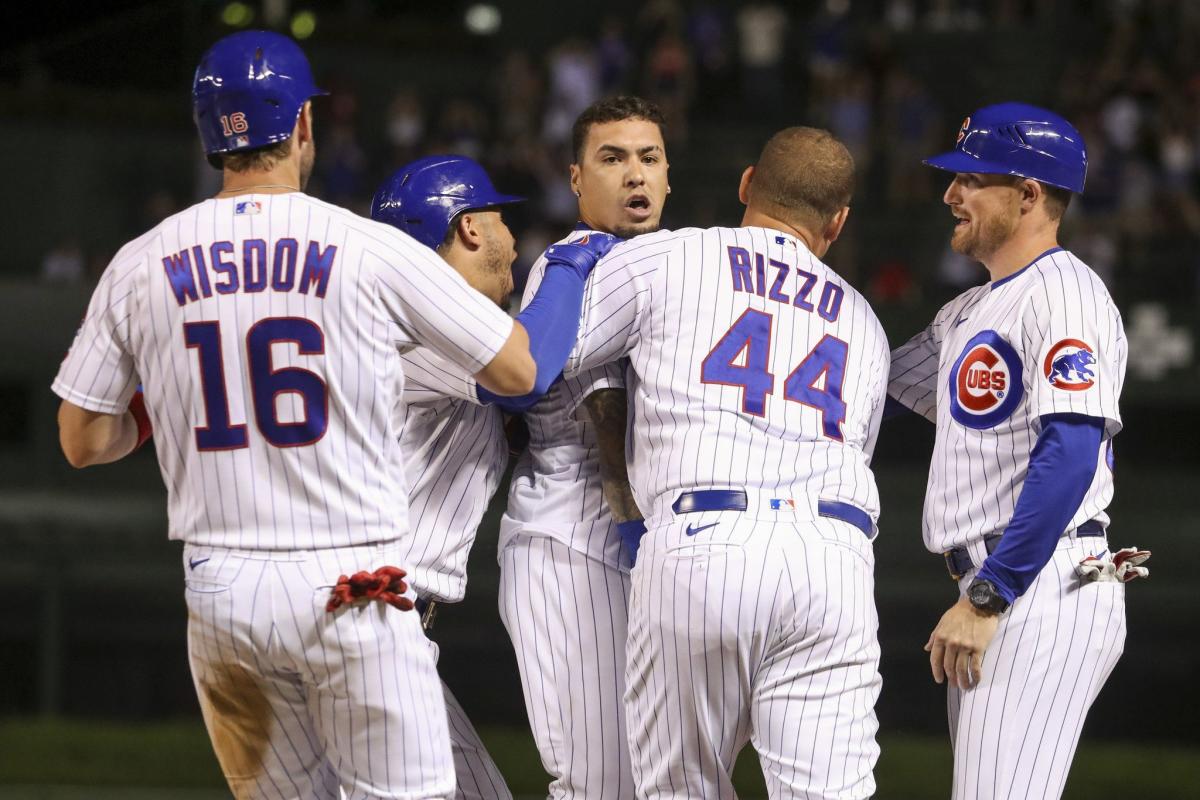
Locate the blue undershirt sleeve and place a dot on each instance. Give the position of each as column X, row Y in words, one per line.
column 552, row 321
column 1061, row 468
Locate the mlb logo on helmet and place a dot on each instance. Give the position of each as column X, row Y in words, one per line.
column 1068, row 365
column 985, row 382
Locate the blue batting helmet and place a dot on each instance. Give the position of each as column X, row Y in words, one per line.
column 423, row 197
column 248, row 91
column 1018, row 139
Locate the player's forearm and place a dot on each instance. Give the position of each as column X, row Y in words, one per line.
column 1061, row 468
column 550, row 323
column 608, row 409
column 89, row 438
column 512, row 371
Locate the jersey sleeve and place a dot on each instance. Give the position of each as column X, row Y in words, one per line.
column 428, row 377
column 913, row 377
column 98, row 373
column 583, row 384
column 617, row 289
column 433, row 303
column 1075, row 347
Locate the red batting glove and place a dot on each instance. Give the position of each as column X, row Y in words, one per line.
column 386, row 584
column 137, row 407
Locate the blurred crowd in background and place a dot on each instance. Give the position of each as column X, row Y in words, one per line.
column 1126, row 72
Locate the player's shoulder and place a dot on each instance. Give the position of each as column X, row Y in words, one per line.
column 650, row 244
column 1060, row 272
column 383, row 234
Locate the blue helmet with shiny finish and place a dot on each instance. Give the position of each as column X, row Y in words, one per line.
column 1022, row 140
column 423, row 197
column 248, row 91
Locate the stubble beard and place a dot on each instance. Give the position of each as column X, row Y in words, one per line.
column 993, row 231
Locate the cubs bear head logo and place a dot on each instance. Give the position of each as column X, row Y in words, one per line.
column 985, row 382
column 1068, row 365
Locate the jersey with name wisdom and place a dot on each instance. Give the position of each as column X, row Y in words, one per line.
column 1045, row 340
column 556, row 489
column 267, row 331
column 757, row 366
column 455, row 452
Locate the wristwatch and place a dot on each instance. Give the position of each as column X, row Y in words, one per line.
column 983, row 595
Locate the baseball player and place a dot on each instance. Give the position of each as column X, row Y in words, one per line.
column 1021, row 376
column 454, row 444
column 564, row 572
column 267, row 328
column 760, row 378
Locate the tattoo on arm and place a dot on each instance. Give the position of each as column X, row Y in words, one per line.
column 608, row 409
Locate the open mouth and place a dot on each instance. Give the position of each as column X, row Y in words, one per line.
column 961, row 222
column 638, row 206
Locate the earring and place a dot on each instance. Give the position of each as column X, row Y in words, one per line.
column 668, row 190
column 577, row 193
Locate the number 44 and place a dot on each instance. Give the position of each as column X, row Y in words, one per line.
column 751, row 334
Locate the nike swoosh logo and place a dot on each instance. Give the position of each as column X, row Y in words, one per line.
column 195, row 562
column 692, row 530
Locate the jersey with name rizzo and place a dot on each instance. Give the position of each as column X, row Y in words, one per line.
column 757, row 367
column 455, row 452
column 1045, row 340
column 556, row 489
column 267, row 331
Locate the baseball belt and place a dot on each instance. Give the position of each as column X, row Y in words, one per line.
column 735, row 500
column 958, row 559
column 428, row 611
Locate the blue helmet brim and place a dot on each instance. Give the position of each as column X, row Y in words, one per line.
column 958, row 161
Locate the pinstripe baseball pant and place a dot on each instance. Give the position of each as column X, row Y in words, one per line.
column 753, row 630
column 566, row 615
column 303, row 703
column 1014, row 734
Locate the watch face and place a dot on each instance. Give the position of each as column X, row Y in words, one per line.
column 984, row 596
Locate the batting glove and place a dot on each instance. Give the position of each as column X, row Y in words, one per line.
column 1094, row 568
column 1127, row 564
column 581, row 256
column 386, row 584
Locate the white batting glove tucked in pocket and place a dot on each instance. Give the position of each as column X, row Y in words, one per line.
column 1122, row 566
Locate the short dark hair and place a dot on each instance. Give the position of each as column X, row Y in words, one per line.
column 804, row 175
column 612, row 109
column 258, row 158
column 451, row 232
column 1057, row 200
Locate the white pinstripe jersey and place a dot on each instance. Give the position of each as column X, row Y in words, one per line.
column 556, row 489
column 267, row 330
column 757, row 366
column 455, row 452
column 1045, row 340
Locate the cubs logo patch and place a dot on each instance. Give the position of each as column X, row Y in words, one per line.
column 1068, row 365
column 985, row 382
column 962, row 131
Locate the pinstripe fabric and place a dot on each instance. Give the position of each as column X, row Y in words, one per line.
column 664, row 300
column 556, row 489
column 976, row 475
column 476, row 776
column 566, row 615
column 758, row 631
column 384, row 293
column 1015, row 734
column 564, row 583
column 297, row 700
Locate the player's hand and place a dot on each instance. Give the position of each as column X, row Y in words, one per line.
column 957, row 644
column 581, row 256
